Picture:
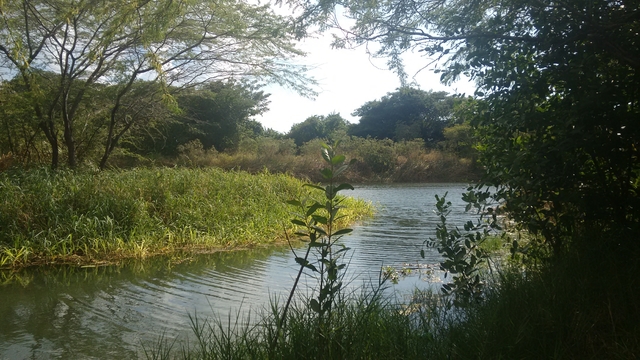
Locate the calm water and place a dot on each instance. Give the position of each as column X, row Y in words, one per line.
column 108, row 312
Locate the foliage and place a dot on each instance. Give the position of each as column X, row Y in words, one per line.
column 89, row 44
column 216, row 113
column 376, row 160
column 463, row 253
column 368, row 326
column 405, row 114
column 574, row 310
column 461, row 137
column 318, row 219
column 67, row 216
column 559, row 81
column 317, row 127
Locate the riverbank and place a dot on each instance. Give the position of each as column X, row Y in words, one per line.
column 87, row 218
column 375, row 161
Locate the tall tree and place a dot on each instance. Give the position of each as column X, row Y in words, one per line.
column 406, row 114
column 317, row 127
column 218, row 114
column 172, row 43
column 562, row 88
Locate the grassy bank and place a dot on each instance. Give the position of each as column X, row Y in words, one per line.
column 87, row 217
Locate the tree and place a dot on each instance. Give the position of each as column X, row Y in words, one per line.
column 405, row 114
column 559, row 130
column 171, row 43
column 317, row 127
column 460, row 137
column 216, row 113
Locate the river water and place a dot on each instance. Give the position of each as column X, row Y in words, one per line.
column 112, row 312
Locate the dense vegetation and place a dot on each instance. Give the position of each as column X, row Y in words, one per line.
column 554, row 125
column 66, row 216
column 88, row 73
column 84, row 84
column 557, row 134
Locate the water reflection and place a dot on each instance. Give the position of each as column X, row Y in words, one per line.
column 107, row 312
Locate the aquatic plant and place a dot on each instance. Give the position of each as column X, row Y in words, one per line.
column 80, row 217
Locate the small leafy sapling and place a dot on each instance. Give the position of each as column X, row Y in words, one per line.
column 462, row 253
column 317, row 223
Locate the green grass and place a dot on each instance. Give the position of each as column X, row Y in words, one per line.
column 362, row 326
column 581, row 307
column 69, row 216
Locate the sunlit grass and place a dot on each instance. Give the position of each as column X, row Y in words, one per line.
column 69, row 216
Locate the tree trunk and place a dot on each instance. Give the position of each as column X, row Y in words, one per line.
column 70, row 143
column 49, row 131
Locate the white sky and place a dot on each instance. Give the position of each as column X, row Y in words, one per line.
column 347, row 80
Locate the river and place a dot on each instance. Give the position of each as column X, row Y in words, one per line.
column 111, row 312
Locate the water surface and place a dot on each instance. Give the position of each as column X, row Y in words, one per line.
column 109, row 312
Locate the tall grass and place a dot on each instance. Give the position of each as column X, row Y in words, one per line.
column 85, row 216
column 377, row 161
column 364, row 325
column 583, row 307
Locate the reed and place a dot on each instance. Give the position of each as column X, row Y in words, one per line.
column 365, row 325
column 377, row 161
column 67, row 216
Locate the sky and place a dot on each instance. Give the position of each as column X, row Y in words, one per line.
column 347, row 79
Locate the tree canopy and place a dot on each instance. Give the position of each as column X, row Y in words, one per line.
column 93, row 43
column 561, row 93
column 406, row 114
column 317, row 127
column 216, row 113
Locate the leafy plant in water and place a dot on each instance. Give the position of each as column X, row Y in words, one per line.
column 461, row 250
column 317, row 220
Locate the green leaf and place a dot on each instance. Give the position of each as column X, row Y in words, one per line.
column 344, row 249
column 340, row 170
column 315, row 306
column 314, row 186
column 313, row 208
column 298, row 222
column 294, row 203
column 344, row 186
column 337, row 159
column 311, row 267
column 320, row 219
column 325, row 155
column 342, row 232
column 319, row 230
column 327, row 173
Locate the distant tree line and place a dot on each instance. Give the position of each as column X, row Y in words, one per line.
column 439, row 119
column 218, row 115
